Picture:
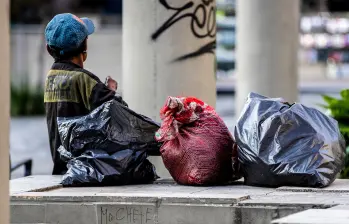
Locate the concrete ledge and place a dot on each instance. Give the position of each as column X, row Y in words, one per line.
column 305, row 199
column 340, row 207
column 151, row 193
column 339, row 186
column 35, row 184
column 40, row 199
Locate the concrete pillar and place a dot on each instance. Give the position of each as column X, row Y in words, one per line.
column 267, row 47
column 4, row 110
column 168, row 50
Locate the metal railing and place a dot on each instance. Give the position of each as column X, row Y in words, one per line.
column 27, row 167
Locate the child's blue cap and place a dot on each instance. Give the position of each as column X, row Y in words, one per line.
column 67, row 31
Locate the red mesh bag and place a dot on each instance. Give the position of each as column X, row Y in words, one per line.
column 198, row 148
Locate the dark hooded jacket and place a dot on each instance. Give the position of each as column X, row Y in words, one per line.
column 71, row 91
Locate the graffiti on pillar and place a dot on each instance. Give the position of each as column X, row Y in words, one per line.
column 202, row 20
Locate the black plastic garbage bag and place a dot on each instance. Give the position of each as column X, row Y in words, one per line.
column 97, row 167
column 109, row 146
column 287, row 145
column 111, row 127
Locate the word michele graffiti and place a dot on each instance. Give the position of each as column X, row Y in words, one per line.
column 202, row 24
column 126, row 215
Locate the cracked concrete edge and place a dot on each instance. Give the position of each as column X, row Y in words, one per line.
column 45, row 189
column 35, row 184
column 40, row 189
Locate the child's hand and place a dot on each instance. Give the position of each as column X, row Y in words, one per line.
column 111, row 83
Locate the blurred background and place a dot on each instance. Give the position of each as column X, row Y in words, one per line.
column 323, row 61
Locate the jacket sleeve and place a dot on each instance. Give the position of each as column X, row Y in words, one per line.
column 94, row 93
column 101, row 94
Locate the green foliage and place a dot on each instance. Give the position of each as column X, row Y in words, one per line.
column 339, row 110
column 27, row 100
column 345, row 172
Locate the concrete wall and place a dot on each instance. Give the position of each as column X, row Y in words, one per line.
column 168, row 51
column 144, row 213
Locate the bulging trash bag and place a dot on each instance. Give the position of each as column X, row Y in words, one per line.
column 287, row 145
column 198, row 148
column 111, row 127
column 109, row 146
column 96, row 167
